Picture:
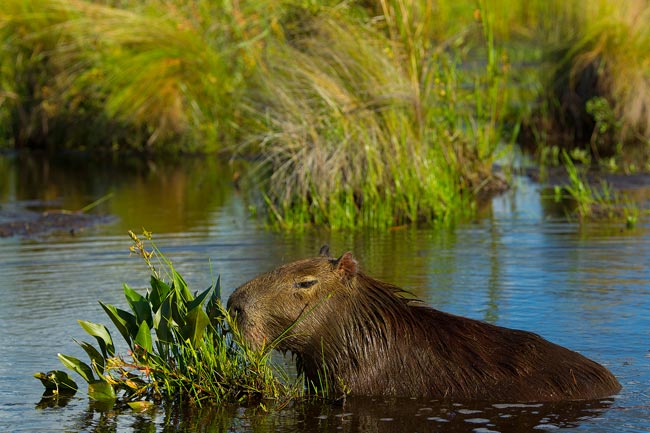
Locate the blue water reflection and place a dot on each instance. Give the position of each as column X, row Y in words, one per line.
column 585, row 287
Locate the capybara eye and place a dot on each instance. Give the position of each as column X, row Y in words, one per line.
column 304, row 284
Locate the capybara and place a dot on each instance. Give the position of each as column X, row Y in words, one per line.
column 359, row 335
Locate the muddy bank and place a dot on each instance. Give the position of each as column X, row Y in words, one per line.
column 24, row 223
column 557, row 176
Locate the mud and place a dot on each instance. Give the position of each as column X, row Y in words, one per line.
column 27, row 224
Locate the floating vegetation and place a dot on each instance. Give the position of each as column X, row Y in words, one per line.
column 180, row 346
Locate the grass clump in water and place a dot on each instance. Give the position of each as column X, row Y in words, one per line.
column 371, row 123
column 181, row 345
column 594, row 202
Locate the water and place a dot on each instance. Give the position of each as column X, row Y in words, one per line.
column 517, row 265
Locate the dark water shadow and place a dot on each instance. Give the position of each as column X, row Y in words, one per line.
column 378, row 415
column 41, row 194
column 371, row 415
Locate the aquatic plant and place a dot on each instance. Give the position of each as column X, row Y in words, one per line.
column 180, row 345
column 599, row 202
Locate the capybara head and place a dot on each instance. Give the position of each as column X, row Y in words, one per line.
column 292, row 303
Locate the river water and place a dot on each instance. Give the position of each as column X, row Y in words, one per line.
column 520, row 264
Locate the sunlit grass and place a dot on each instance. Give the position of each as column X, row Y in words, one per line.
column 361, row 114
column 373, row 126
column 617, row 36
column 156, row 69
column 596, row 88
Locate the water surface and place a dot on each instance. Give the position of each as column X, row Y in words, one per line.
column 520, row 264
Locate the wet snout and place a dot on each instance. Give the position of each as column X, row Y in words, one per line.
column 237, row 304
column 241, row 306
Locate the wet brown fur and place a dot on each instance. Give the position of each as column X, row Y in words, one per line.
column 348, row 328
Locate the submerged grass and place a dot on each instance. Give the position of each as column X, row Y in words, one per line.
column 181, row 346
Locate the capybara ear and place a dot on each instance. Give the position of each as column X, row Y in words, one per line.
column 347, row 264
column 324, row 251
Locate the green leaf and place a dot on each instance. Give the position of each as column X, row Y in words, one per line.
column 158, row 293
column 213, row 309
column 102, row 335
column 77, row 366
column 143, row 339
column 96, row 358
column 140, row 406
column 196, row 322
column 197, row 301
column 123, row 320
column 181, row 286
column 57, row 381
column 140, row 306
column 177, row 309
column 163, row 322
column 101, row 391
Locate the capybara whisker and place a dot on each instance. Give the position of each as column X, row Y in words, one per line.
column 363, row 336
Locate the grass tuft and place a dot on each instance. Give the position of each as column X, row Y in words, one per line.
column 373, row 125
column 594, row 203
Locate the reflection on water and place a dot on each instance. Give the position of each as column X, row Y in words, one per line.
column 166, row 196
column 370, row 415
column 518, row 265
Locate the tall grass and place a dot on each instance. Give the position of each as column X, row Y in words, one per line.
column 596, row 86
column 362, row 114
column 163, row 71
column 375, row 124
column 618, row 38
